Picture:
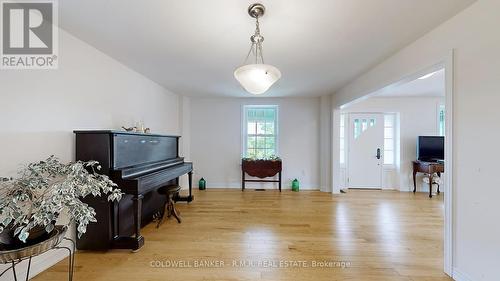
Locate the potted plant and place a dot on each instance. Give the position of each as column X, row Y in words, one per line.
column 262, row 168
column 31, row 204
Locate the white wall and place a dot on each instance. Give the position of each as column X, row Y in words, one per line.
column 418, row 116
column 39, row 109
column 216, row 144
column 474, row 36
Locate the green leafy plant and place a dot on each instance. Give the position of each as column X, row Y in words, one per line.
column 45, row 190
column 271, row 157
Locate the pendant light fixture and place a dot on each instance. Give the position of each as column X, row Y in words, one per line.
column 256, row 77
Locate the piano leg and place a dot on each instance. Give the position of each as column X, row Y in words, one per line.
column 137, row 241
column 137, row 222
column 137, row 215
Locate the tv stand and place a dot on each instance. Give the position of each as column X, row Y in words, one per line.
column 429, row 168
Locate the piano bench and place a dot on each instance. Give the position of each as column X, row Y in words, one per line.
column 170, row 192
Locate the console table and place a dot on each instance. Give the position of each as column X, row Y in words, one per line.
column 428, row 168
column 261, row 169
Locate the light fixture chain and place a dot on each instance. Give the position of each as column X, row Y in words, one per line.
column 261, row 54
column 257, row 26
column 257, row 42
column 255, row 53
column 248, row 55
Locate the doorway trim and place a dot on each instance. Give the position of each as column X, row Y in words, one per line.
column 446, row 62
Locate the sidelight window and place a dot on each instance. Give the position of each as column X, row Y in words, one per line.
column 389, row 143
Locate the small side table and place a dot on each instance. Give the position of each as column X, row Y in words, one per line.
column 14, row 257
column 428, row 168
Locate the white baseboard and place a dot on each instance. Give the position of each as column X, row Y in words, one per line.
column 237, row 185
column 460, row 276
column 325, row 189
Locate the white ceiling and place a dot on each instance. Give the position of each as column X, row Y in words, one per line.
column 433, row 86
column 193, row 46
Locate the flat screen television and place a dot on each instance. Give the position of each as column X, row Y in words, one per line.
column 430, row 148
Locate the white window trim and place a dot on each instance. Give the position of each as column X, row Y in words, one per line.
column 343, row 127
column 244, row 128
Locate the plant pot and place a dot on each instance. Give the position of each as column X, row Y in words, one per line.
column 10, row 242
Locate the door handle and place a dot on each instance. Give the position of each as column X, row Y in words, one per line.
column 378, row 153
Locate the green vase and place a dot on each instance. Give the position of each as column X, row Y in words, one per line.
column 295, row 185
column 202, row 184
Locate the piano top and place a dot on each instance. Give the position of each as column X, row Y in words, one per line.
column 118, row 132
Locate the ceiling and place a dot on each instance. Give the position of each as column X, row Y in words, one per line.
column 192, row 47
column 433, row 86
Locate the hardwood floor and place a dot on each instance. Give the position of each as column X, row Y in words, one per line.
column 379, row 235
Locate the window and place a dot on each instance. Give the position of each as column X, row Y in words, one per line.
column 342, row 138
column 260, row 127
column 361, row 125
column 441, row 120
column 357, row 128
column 389, row 143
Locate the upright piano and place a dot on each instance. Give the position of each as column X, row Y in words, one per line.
column 140, row 164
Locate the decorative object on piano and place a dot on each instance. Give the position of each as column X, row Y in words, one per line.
column 202, row 184
column 295, row 185
column 32, row 203
column 261, row 168
column 129, row 129
column 139, row 127
column 137, row 130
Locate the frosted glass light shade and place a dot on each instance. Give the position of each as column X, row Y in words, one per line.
column 257, row 78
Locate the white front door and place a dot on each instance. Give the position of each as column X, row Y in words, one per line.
column 365, row 156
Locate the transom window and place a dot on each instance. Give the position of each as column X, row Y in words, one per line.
column 260, row 127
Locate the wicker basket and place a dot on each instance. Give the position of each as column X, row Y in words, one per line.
column 56, row 236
